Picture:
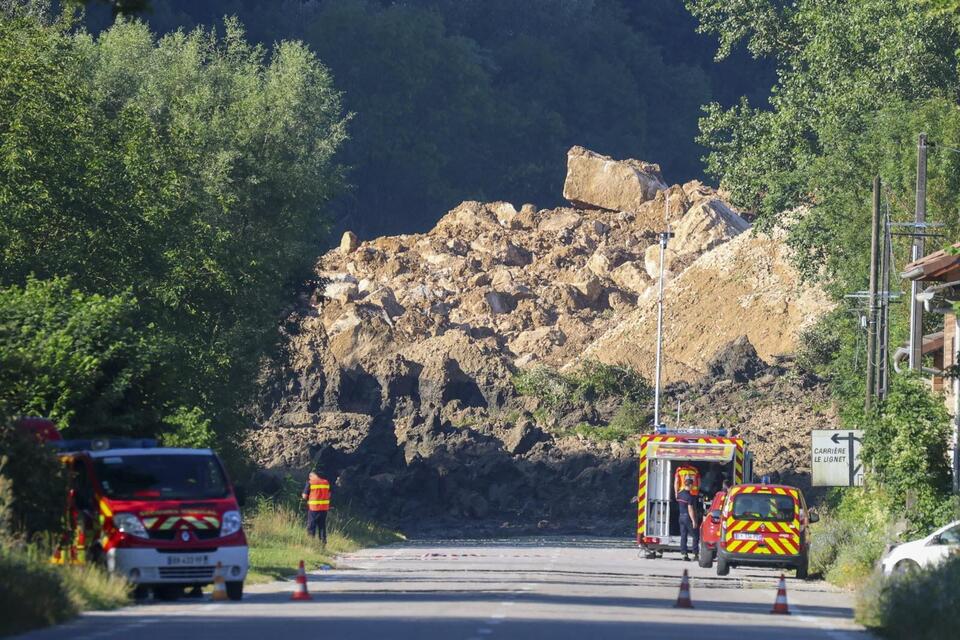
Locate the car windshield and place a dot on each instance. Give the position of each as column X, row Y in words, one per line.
column 763, row 506
column 161, row 477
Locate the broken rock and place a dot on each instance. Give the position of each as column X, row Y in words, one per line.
column 600, row 181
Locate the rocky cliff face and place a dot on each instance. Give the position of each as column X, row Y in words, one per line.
column 399, row 364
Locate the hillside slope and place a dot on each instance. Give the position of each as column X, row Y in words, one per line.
column 398, row 370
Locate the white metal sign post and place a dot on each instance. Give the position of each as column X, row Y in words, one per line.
column 836, row 458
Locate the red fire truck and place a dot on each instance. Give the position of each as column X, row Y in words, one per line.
column 710, row 451
column 161, row 517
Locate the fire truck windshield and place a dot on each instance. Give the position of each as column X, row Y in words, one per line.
column 161, row 477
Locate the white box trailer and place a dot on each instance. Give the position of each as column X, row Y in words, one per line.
column 658, row 527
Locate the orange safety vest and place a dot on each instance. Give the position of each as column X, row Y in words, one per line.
column 684, row 472
column 318, row 499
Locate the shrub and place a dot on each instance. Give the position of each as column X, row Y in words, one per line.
column 920, row 606
column 547, row 385
column 31, row 594
column 591, row 382
column 37, row 482
column 904, row 446
column 596, row 381
column 851, row 535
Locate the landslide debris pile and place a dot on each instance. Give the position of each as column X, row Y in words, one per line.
column 399, row 363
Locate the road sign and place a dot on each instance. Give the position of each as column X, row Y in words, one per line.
column 836, row 458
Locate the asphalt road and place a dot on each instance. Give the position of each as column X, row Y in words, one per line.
column 551, row 588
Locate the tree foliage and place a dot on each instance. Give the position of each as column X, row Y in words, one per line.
column 80, row 359
column 179, row 182
column 481, row 99
column 856, row 83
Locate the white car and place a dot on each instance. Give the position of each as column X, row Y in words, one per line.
column 926, row 552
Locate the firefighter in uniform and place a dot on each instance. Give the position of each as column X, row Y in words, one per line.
column 317, row 494
column 689, row 507
column 680, row 477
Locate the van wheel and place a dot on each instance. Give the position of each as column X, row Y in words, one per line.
column 706, row 555
column 141, row 592
column 235, row 590
column 804, row 567
column 723, row 568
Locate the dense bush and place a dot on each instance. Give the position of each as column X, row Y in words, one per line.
column 850, row 538
column 37, row 484
column 591, row 382
column 904, row 449
column 31, row 594
column 924, row 605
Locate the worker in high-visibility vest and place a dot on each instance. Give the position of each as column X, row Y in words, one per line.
column 317, row 494
column 680, row 476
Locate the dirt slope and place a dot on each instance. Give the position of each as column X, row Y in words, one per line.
column 398, row 365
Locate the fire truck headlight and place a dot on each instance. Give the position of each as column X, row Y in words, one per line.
column 129, row 523
column 231, row 523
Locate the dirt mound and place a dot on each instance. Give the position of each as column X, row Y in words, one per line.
column 743, row 287
column 398, row 375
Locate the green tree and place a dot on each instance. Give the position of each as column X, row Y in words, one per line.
column 80, row 360
column 856, row 83
column 190, row 172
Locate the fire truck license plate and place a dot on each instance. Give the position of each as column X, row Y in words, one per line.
column 748, row 536
column 187, row 561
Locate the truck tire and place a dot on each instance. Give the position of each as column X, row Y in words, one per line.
column 235, row 590
column 723, row 568
column 803, row 567
column 706, row 555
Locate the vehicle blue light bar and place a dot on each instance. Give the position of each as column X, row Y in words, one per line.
column 664, row 430
column 102, row 444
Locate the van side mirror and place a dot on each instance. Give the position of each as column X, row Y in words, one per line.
column 813, row 517
column 715, row 516
column 240, row 492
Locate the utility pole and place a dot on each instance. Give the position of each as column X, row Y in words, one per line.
column 916, row 307
column 883, row 328
column 872, row 298
column 664, row 238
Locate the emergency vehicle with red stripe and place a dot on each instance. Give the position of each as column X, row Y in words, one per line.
column 761, row 525
column 161, row 517
column 661, row 453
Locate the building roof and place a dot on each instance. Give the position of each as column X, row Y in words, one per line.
column 939, row 266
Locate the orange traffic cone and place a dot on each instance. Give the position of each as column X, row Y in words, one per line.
column 219, row 585
column 300, row 593
column 683, row 599
column 780, row 605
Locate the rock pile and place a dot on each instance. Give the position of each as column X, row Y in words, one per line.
column 400, row 362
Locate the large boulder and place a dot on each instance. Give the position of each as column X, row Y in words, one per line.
column 594, row 180
column 737, row 361
column 705, row 225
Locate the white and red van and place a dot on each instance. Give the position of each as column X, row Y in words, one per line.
column 161, row 517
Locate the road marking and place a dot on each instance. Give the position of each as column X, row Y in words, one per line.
column 485, row 631
column 823, row 625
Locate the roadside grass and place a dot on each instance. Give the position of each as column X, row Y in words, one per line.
column 35, row 594
column 278, row 539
